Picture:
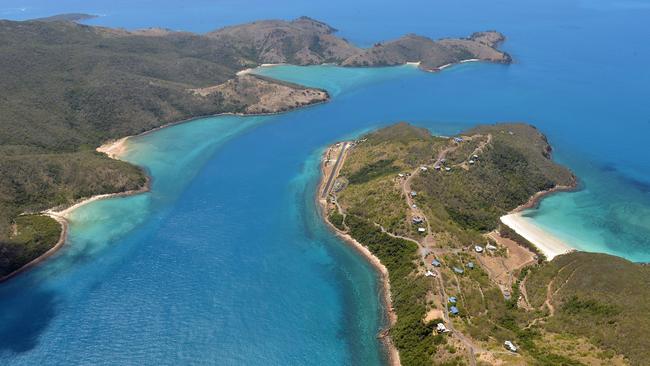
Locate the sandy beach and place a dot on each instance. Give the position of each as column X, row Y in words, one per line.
column 547, row 243
column 114, row 149
column 326, row 170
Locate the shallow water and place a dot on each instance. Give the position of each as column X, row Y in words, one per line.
column 226, row 260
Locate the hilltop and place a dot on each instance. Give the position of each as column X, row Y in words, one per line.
column 67, row 17
column 422, row 204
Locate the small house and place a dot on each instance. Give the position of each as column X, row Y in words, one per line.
column 401, row 175
column 490, row 247
column 435, row 263
column 447, row 169
column 422, row 230
column 470, row 265
column 510, row 346
column 440, row 328
column 437, row 167
column 417, row 220
column 430, row 274
column 453, row 310
column 459, row 270
column 471, row 161
column 424, row 168
column 453, row 300
column 478, row 249
column 458, row 139
column 414, row 193
column 475, row 157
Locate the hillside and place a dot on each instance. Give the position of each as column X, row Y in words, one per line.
column 303, row 41
column 421, row 204
column 432, row 55
column 596, row 296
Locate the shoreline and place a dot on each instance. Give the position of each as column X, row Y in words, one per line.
column 41, row 258
column 391, row 351
column 115, row 149
column 547, row 243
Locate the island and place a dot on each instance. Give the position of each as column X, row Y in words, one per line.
column 460, row 286
column 69, row 88
column 67, row 17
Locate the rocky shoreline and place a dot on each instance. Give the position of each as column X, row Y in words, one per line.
column 391, row 351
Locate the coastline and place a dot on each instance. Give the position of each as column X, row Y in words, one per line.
column 547, row 243
column 36, row 261
column 391, row 351
column 115, row 149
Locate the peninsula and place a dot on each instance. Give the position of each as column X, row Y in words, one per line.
column 69, row 88
column 461, row 287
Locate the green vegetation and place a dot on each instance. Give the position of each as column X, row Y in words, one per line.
column 414, row 338
column 33, row 236
column 507, row 173
column 337, row 219
column 600, row 297
column 461, row 205
column 32, row 182
column 372, row 171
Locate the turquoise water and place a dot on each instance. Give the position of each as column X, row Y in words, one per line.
column 226, row 261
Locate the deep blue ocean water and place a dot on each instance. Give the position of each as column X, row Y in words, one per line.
column 226, row 261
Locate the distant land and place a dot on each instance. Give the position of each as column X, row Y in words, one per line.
column 68, row 88
column 425, row 210
column 68, row 17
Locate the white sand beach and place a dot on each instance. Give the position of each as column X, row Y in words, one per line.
column 547, row 243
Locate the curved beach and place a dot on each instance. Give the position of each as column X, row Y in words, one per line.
column 547, row 243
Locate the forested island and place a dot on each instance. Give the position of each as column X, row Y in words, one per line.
column 69, row 87
column 462, row 288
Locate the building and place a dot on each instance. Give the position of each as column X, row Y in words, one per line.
column 453, row 300
column 478, row 249
column 459, row 270
column 510, row 346
column 471, row 161
column 417, row 220
column 490, row 247
column 440, row 328
column 447, row 169
column 424, row 168
column 453, row 310
column 470, row 265
column 458, row 139
column 422, row 230
column 414, row 193
column 435, row 263
column 430, row 274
